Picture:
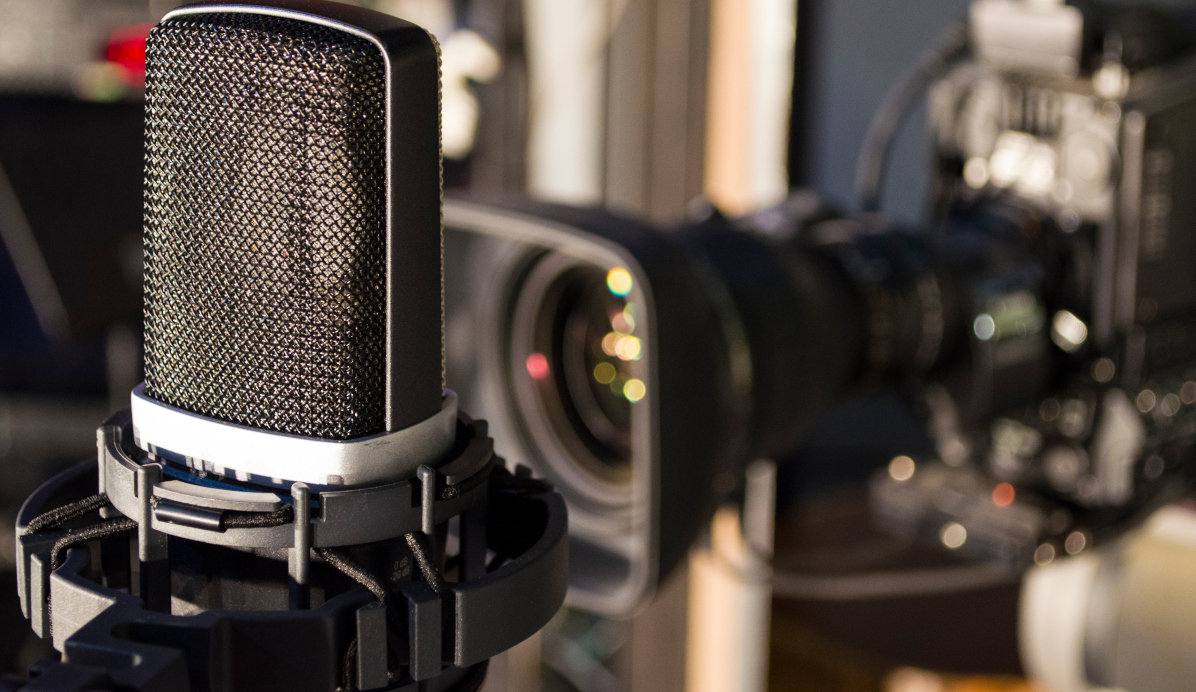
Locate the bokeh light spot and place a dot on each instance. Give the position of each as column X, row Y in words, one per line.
column 953, row 535
column 618, row 280
column 628, row 348
column 604, row 373
column 985, row 327
column 1003, row 495
column 901, row 468
column 537, row 366
column 621, row 323
column 1044, row 554
column 609, row 342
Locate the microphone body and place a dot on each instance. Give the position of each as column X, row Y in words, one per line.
column 293, row 264
column 293, row 500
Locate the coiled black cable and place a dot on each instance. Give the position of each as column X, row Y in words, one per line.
column 76, row 537
column 423, row 558
column 65, row 513
column 896, row 106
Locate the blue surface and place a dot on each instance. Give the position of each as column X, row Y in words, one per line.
column 861, row 48
column 31, row 362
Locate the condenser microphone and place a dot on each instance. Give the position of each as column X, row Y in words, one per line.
column 293, row 273
column 311, row 510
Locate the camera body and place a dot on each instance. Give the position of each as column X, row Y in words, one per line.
column 1071, row 124
column 1095, row 140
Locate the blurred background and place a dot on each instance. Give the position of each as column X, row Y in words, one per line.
column 658, row 109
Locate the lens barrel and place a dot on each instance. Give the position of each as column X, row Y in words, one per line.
column 642, row 370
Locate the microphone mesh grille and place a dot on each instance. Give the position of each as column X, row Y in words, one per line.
column 265, row 224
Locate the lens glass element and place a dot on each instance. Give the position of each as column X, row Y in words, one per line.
column 584, row 361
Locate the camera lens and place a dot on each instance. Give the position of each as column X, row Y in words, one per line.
column 577, row 363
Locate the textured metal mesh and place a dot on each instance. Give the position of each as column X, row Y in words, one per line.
column 265, row 224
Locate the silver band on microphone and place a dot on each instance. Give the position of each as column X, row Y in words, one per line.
column 278, row 459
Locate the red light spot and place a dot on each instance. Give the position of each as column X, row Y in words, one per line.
column 1003, row 495
column 537, row 366
column 126, row 47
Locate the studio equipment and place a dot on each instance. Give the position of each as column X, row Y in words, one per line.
column 293, row 500
column 1042, row 321
column 1063, row 159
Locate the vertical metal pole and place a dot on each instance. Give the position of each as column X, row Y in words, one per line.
column 103, row 435
column 151, row 544
column 730, row 594
column 299, row 558
column 427, row 485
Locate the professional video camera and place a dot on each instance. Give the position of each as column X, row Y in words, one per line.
column 1043, row 321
